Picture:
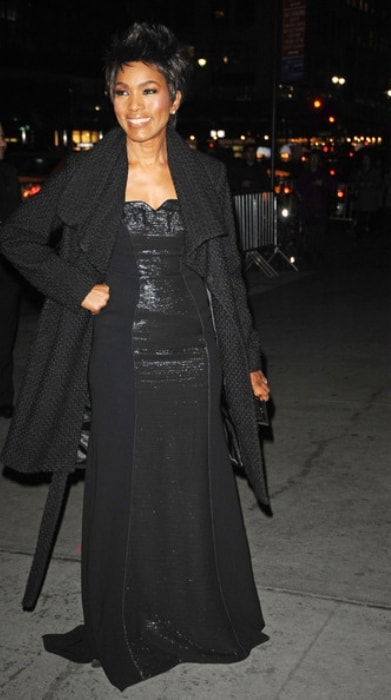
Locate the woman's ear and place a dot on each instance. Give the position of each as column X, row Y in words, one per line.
column 177, row 101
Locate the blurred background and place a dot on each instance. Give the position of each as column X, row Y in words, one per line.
column 286, row 75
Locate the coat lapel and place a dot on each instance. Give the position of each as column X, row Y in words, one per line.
column 196, row 194
column 94, row 197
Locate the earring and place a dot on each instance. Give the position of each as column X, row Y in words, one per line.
column 173, row 111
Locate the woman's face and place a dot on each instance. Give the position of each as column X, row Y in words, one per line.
column 142, row 102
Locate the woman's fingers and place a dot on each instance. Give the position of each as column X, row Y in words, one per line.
column 97, row 298
column 260, row 385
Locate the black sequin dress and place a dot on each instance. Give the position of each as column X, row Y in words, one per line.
column 166, row 571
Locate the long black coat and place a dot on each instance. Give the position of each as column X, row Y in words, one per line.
column 85, row 200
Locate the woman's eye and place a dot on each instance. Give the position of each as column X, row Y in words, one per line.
column 150, row 91
column 119, row 93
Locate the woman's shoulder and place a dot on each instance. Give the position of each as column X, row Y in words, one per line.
column 102, row 155
column 210, row 162
column 110, row 143
column 180, row 148
column 215, row 170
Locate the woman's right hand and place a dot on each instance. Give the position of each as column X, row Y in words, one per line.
column 96, row 298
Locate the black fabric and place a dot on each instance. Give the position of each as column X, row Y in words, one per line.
column 46, row 538
column 10, row 297
column 166, row 568
column 10, row 288
column 85, row 199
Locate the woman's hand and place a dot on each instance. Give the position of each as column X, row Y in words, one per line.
column 96, row 299
column 260, row 386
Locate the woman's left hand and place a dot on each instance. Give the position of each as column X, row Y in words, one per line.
column 260, row 385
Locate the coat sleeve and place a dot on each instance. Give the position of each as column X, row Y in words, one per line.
column 25, row 240
column 235, row 270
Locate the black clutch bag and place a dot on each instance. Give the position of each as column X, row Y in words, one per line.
column 262, row 418
column 261, row 414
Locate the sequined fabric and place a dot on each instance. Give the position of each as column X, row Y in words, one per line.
column 164, row 305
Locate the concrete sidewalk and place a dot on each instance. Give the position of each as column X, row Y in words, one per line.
column 322, row 563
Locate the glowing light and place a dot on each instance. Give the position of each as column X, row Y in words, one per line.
column 31, row 191
column 338, row 80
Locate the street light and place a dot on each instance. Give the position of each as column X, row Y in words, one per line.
column 338, row 80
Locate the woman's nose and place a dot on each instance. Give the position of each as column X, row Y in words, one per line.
column 135, row 103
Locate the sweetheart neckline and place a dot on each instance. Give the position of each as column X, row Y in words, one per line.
column 140, row 201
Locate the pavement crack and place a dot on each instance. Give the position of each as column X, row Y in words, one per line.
column 308, row 648
column 306, row 468
column 334, row 599
column 321, row 446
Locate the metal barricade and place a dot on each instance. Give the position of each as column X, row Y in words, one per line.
column 256, row 218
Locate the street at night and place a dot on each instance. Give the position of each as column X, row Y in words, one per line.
column 166, row 573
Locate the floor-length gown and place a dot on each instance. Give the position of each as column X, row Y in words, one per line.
column 166, row 571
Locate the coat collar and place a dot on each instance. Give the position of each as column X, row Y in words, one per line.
column 193, row 182
column 97, row 176
column 93, row 199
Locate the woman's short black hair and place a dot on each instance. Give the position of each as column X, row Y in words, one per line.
column 155, row 45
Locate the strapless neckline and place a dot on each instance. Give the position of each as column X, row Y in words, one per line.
column 139, row 202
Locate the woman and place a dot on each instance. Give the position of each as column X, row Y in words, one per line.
column 146, row 318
